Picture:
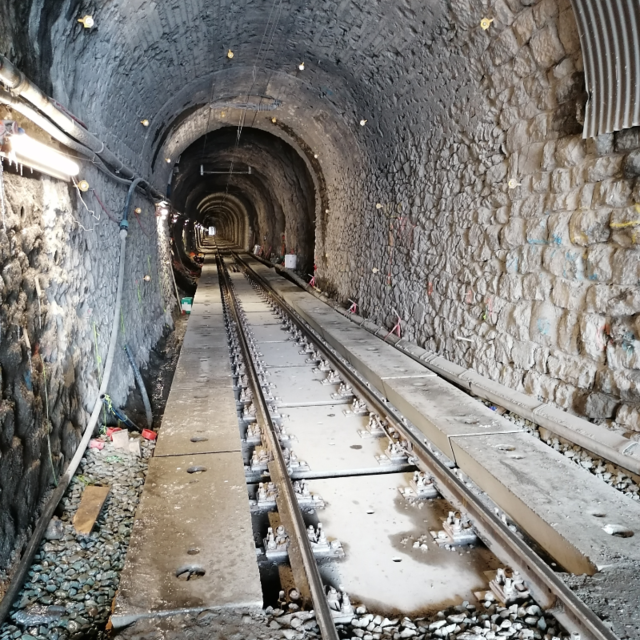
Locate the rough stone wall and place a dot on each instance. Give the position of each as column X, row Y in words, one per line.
column 503, row 239
column 53, row 346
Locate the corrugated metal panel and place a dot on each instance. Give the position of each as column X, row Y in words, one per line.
column 610, row 37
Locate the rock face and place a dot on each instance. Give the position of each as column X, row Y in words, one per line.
column 466, row 201
column 491, row 218
column 58, row 277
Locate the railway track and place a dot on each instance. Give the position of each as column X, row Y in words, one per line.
column 400, row 528
column 285, row 419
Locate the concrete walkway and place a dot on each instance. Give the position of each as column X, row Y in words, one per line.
column 192, row 544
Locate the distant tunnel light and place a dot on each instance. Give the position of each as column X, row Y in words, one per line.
column 41, row 157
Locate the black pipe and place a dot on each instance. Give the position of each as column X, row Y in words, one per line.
column 124, row 223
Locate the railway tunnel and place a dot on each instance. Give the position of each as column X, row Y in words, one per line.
column 418, row 301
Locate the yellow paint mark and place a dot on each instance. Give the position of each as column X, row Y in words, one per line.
column 622, row 225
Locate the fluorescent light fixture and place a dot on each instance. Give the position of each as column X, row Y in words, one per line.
column 26, row 150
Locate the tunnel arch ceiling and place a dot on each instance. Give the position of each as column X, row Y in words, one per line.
column 173, row 64
column 257, row 186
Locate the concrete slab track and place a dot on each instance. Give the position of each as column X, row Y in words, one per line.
column 546, row 494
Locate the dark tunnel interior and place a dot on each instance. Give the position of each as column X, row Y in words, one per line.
column 256, row 190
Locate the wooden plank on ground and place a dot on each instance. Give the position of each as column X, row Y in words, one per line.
column 91, row 503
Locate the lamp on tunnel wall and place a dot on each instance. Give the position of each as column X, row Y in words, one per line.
column 162, row 209
column 301, row 66
column 144, row 123
column 18, row 147
column 87, row 21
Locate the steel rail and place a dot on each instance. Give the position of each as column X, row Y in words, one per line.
column 546, row 587
column 287, row 502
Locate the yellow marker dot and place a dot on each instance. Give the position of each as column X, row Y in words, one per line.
column 274, row 120
column 513, row 183
column 229, row 54
column 363, row 122
column 144, row 123
column 485, row 23
column 378, row 206
column 87, row 22
column 622, row 225
column 138, row 210
column 83, row 185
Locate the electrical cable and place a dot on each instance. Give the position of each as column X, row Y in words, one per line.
column 97, row 197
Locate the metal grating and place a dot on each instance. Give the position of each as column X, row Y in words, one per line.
column 610, row 38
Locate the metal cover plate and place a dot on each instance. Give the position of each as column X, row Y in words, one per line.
column 300, row 387
column 282, row 354
column 200, row 420
column 261, row 318
column 270, row 333
column 328, row 441
column 203, row 338
column 258, row 305
column 560, row 505
column 441, row 411
column 210, row 368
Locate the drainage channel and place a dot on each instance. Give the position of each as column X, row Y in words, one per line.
column 384, row 536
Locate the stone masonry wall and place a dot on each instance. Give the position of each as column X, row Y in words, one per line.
column 504, row 240
column 53, row 347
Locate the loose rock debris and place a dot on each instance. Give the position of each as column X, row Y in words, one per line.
column 488, row 621
column 75, row 576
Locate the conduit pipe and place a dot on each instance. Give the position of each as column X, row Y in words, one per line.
column 143, row 389
column 19, row 85
column 46, row 125
column 18, row 578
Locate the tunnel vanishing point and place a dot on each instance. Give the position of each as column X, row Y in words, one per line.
column 467, row 171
